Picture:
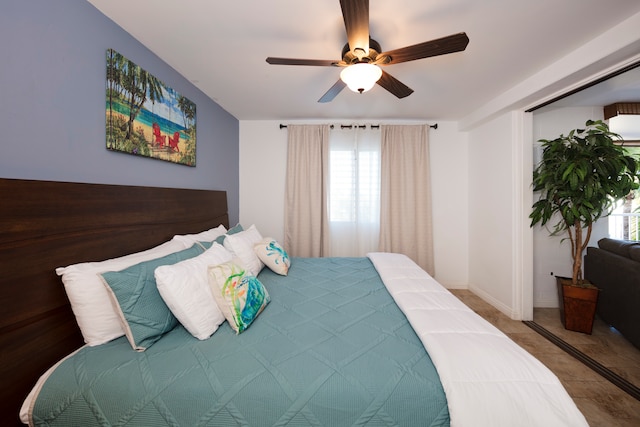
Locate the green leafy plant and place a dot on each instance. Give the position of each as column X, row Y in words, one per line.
column 579, row 178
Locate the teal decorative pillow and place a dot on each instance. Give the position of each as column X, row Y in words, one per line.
column 134, row 294
column 240, row 296
column 233, row 230
column 273, row 256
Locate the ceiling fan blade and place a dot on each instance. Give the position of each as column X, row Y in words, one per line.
column 295, row 61
column 333, row 91
column 442, row 46
column 356, row 21
column 394, row 85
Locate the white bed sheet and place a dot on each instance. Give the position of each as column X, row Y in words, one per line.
column 489, row 380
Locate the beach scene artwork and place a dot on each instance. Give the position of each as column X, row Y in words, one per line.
column 145, row 117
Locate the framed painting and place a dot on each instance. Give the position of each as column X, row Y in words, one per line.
column 145, row 117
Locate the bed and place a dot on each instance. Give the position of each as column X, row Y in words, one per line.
column 335, row 341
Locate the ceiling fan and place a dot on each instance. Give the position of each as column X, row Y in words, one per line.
column 362, row 55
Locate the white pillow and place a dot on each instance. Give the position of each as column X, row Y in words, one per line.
column 273, row 255
column 241, row 245
column 206, row 236
column 184, row 287
column 97, row 319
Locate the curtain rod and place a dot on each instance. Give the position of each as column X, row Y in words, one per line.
column 433, row 126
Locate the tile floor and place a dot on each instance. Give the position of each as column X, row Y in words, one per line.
column 602, row 403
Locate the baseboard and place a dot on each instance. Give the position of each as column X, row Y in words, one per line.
column 455, row 286
column 494, row 302
column 546, row 303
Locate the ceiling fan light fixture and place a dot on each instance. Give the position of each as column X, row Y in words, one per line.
column 361, row 77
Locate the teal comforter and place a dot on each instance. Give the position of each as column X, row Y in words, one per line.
column 331, row 349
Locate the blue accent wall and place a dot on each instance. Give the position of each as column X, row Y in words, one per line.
column 52, row 104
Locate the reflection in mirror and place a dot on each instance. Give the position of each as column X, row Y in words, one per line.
column 606, row 346
column 627, row 126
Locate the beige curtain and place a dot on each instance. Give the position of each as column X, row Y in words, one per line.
column 405, row 194
column 305, row 216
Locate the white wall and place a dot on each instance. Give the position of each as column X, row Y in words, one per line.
column 450, row 196
column 490, row 219
column 500, row 239
column 552, row 255
column 263, row 153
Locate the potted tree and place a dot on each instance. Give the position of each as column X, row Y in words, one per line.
column 579, row 178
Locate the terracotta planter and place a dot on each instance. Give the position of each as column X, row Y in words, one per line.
column 577, row 305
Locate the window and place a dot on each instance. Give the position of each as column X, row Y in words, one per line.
column 354, row 191
column 624, row 221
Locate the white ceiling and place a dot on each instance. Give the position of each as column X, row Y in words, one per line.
column 221, row 46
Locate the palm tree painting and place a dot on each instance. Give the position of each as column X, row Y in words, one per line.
column 146, row 117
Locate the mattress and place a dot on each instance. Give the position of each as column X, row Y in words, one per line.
column 331, row 349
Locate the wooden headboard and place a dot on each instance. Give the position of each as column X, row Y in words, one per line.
column 44, row 225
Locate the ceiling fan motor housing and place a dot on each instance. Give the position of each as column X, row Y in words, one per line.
column 350, row 57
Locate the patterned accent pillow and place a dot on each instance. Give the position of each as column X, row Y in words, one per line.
column 240, row 296
column 273, row 255
column 134, row 295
